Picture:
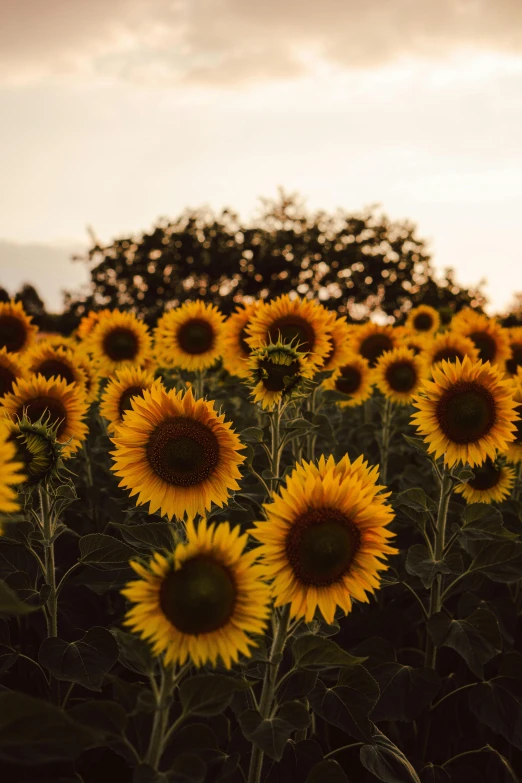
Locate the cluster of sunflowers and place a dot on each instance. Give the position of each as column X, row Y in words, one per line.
column 323, row 537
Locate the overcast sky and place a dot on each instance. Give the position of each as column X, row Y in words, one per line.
column 114, row 113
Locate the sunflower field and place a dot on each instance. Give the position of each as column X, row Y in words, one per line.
column 276, row 547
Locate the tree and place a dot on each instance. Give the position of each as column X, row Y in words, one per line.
column 354, row 264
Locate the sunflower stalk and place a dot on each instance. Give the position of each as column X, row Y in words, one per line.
column 275, row 445
column 161, row 717
column 281, row 620
column 386, row 432
column 47, row 525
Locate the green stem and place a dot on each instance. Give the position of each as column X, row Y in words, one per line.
column 436, row 587
column 275, row 447
column 452, row 693
column 161, row 717
column 50, row 569
column 199, row 384
column 385, row 439
column 269, row 685
column 344, row 747
column 485, row 749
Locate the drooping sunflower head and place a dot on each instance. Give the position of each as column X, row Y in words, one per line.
column 277, row 373
column 236, row 350
column 17, row 333
column 54, row 362
column 324, row 540
column 12, row 368
column 450, row 346
column 467, row 412
column 118, row 340
column 126, row 385
column 399, row 375
column 423, row 320
column 190, row 337
column 11, row 474
column 53, row 402
column 354, row 379
column 302, row 323
column 340, row 350
column 488, row 336
column 176, row 453
column 372, row 340
column 202, row 602
column 36, row 448
column 492, row 483
column 514, row 363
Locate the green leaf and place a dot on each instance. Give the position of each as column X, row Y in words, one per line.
column 104, row 552
column 209, row 694
column 187, row 768
column 300, row 424
column 298, row 684
column 157, row 536
column 295, row 714
column 327, row 771
column 476, row 638
column 384, row 760
column 420, row 562
column 8, row 657
column 10, row 604
column 106, row 718
column 134, row 653
column 348, row 704
column 433, row 774
column 85, row 661
column 483, row 522
column 414, row 498
column 33, row 731
column 252, row 435
column 316, row 653
column 500, row 562
column 405, row 692
column 195, row 738
column 417, row 444
column 498, row 702
column 270, row 734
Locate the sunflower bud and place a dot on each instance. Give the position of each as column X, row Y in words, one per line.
column 277, row 372
column 36, row 448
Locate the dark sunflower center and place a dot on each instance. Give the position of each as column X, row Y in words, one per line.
column 127, row 397
column 448, row 354
column 183, row 451
column 7, row 380
column 196, row 336
column 199, row 597
column 374, row 346
column 423, row 322
column 321, row 545
column 120, row 345
column 53, row 408
column 12, row 333
column 515, row 362
column 274, row 375
column 295, row 330
column 243, row 342
column 466, row 412
column 485, row 344
column 349, row 381
column 54, row 367
column 401, row 376
column 487, row 476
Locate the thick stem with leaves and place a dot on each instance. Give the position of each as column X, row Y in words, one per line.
column 386, row 418
column 446, row 487
column 161, row 717
column 47, row 524
column 275, row 445
column 281, row 620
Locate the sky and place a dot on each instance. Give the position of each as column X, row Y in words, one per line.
column 116, row 113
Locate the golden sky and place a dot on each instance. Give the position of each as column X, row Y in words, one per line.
column 114, row 113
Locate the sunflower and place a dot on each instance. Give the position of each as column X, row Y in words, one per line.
column 324, row 538
column 423, row 319
column 354, row 379
column 339, row 332
column 89, row 321
column 127, row 384
column 449, row 346
column 492, row 483
column 53, row 402
column 278, row 372
column 11, row 370
column 372, row 340
column 54, row 362
column 515, row 343
column 176, row 453
column 236, row 350
column 514, row 449
column 303, row 323
column 36, row 448
column 118, row 340
column 399, row 375
column 10, row 473
column 467, row 412
column 190, row 336
column 91, row 373
column 17, row 333
column 203, row 601
column 488, row 336
column 416, row 342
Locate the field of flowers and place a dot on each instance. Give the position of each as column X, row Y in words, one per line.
column 276, row 547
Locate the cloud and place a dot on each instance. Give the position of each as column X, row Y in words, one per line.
column 227, row 42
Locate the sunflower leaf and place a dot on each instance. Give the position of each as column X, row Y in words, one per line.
column 10, row 603
column 421, row 563
column 482, row 522
column 498, row 702
column 104, row 552
column 316, row 653
column 85, row 661
column 209, row 694
column 417, row 444
column 476, row 638
column 500, row 562
column 384, row 760
column 269, row 734
column 252, row 435
column 405, row 691
column 345, row 707
column 327, row 771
